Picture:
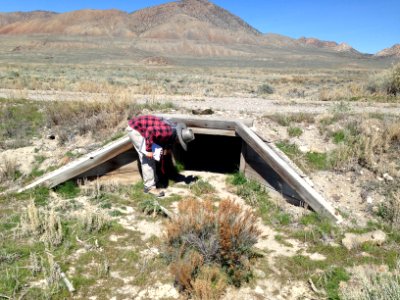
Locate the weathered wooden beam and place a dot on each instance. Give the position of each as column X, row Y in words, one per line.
column 98, row 157
column 202, row 126
column 210, row 131
column 226, row 124
column 82, row 164
column 308, row 194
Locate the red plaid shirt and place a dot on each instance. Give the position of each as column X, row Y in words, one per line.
column 154, row 130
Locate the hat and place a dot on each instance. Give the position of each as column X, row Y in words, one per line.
column 185, row 135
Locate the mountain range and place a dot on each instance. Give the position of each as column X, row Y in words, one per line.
column 195, row 21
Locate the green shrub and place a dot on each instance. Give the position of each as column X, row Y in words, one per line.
column 265, row 89
column 202, row 187
column 291, row 150
column 331, row 280
column 287, row 119
column 338, row 136
column 317, row 161
column 238, row 178
column 41, row 196
column 19, row 122
column 68, row 189
column 294, row 131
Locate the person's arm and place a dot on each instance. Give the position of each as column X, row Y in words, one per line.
column 149, row 136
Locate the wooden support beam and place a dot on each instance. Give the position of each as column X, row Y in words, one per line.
column 242, row 164
column 311, row 196
column 201, row 126
column 96, row 158
column 209, row 131
column 83, row 164
column 225, row 124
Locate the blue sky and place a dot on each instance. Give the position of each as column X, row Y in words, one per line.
column 367, row 25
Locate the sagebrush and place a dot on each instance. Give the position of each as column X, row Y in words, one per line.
column 203, row 241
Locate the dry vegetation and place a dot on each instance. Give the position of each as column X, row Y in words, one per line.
column 204, row 81
column 106, row 238
column 209, row 248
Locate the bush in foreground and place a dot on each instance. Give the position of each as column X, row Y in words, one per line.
column 209, row 247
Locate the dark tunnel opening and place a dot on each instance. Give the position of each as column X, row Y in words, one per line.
column 213, row 153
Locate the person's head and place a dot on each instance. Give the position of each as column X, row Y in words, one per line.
column 184, row 135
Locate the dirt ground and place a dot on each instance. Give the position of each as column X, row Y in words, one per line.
column 343, row 190
column 141, row 234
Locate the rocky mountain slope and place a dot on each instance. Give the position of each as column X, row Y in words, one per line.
column 188, row 19
column 392, row 51
column 197, row 21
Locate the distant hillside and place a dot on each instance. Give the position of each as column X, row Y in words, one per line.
column 316, row 43
column 187, row 19
column 200, row 10
column 81, row 22
column 392, row 51
column 9, row 18
column 195, row 26
column 313, row 42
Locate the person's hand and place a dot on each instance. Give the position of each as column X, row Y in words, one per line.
column 166, row 152
column 149, row 155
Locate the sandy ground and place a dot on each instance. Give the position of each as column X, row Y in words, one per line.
column 239, row 106
column 344, row 191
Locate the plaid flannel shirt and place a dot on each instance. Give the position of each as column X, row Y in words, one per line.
column 154, row 130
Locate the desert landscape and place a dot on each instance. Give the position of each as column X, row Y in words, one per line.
column 70, row 81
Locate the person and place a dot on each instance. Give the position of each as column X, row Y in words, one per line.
column 147, row 132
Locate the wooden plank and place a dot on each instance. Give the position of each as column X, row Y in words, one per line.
column 242, row 164
column 209, row 131
column 311, row 196
column 203, row 126
column 82, row 164
column 214, row 123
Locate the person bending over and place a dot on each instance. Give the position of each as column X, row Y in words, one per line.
column 152, row 136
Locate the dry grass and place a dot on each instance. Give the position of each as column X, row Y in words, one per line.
column 104, row 70
column 52, row 229
column 396, row 209
column 390, row 209
column 31, row 222
column 372, row 284
column 44, row 224
column 210, row 283
column 386, row 83
column 36, row 263
column 288, row 119
column 97, row 189
column 8, row 170
column 99, row 118
column 94, row 220
column 366, row 141
column 52, row 275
